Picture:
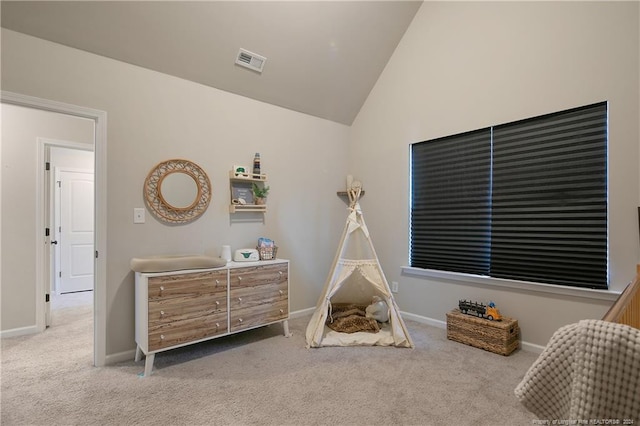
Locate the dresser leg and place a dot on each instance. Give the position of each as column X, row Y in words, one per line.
column 148, row 364
column 138, row 353
column 285, row 326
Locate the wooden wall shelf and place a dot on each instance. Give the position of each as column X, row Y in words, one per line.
column 244, row 181
column 345, row 194
column 235, row 208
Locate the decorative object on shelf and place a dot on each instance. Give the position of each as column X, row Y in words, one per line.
column 256, row 164
column 260, row 193
column 177, row 191
column 481, row 310
column 353, row 187
column 240, row 170
column 241, row 191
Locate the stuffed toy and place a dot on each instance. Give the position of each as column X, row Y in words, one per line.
column 378, row 310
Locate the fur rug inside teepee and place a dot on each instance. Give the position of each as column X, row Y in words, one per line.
column 350, row 318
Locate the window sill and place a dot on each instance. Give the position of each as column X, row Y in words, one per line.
column 461, row 278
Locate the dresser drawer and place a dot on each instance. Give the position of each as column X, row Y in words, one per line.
column 258, row 276
column 254, row 316
column 164, row 310
column 246, row 297
column 189, row 285
column 167, row 334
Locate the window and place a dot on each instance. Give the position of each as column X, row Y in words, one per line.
column 525, row 200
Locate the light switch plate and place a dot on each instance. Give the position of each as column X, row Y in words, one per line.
column 138, row 215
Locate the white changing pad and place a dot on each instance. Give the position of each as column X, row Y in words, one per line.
column 175, row 263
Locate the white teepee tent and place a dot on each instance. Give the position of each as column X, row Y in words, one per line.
column 356, row 276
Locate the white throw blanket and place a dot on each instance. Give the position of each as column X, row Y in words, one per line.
column 589, row 370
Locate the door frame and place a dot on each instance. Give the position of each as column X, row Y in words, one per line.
column 100, row 216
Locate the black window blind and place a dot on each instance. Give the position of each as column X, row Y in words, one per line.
column 549, row 198
column 450, row 221
column 525, row 200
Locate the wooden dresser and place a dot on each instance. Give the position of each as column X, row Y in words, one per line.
column 178, row 308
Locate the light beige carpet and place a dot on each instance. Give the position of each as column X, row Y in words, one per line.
column 258, row 377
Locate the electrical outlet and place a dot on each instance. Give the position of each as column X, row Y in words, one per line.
column 138, row 215
column 394, row 286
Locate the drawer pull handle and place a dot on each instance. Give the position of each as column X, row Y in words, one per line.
column 162, row 337
column 240, row 299
column 281, row 292
column 240, row 320
column 217, row 325
column 239, row 278
column 281, row 311
column 161, row 288
column 161, row 313
column 217, row 282
column 217, row 303
column 280, row 272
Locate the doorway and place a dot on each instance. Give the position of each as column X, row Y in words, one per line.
column 68, row 209
column 42, row 251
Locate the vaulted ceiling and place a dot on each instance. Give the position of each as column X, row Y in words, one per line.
column 323, row 57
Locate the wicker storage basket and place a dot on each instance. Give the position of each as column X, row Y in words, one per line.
column 267, row 253
column 501, row 337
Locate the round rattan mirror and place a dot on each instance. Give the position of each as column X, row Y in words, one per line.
column 177, row 191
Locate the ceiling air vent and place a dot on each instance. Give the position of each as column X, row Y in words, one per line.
column 250, row 60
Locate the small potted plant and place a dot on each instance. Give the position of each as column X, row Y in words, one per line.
column 259, row 193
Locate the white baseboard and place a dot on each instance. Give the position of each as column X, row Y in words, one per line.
column 301, row 313
column 424, row 320
column 530, row 347
column 120, row 357
column 22, row 331
column 525, row 346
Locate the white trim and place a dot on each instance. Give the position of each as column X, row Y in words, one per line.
column 525, row 346
column 469, row 279
column 301, row 313
column 68, row 144
column 100, row 150
column 425, row 320
column 15, row 332
column 120, row 357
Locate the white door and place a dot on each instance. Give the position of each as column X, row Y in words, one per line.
column 76, row 231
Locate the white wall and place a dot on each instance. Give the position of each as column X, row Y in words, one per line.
column 21, row 128
column 153, row 117
column 462, row 66
column 72, row 158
